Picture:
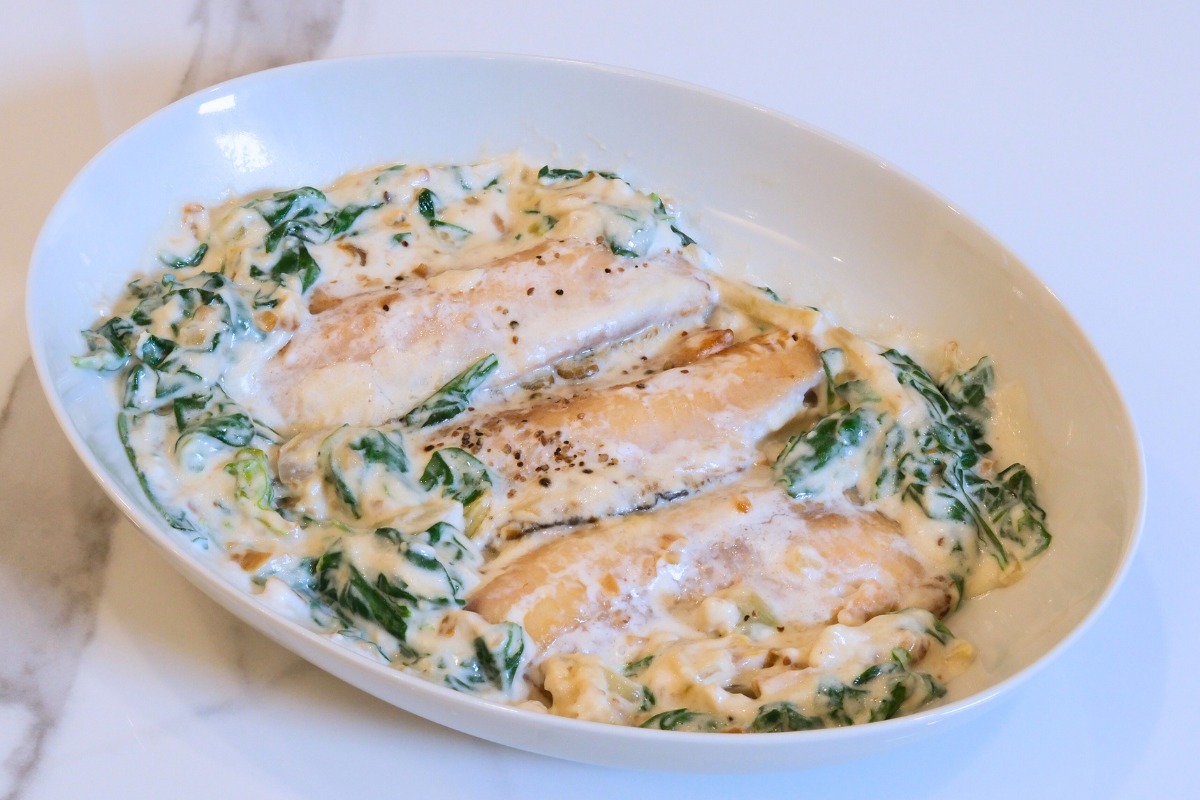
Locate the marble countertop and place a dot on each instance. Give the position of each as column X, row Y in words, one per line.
column 1070, row 131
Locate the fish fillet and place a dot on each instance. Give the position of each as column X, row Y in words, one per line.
column 812, row 565
column 373, row 356
column 624, row 448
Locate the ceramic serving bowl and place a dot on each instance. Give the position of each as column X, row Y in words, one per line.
column 821, row 222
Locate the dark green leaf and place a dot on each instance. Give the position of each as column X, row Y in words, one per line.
column 419, row 559
column 462, row 476
column 341, row 486
column 835, row 438
column 969, row 389
column 189, row 409
column 681, row 719
column 383, row 172
column 395, row 589
column 293, row 204
column 453, row 398
column 874, row 671
column 106, row 349
column 559, row 174
column 176, row 519
column 890, row 706
column 295, row 260
column 685, row 240
column 235, row 430
column 449, row 226
column 387, row 449
column 142, row 288
column 500, row 666
column 155, row 350
column 782, row 718
column 909, row 373
column 637, row 666
column 834, row 695
column 191, row 260
column 365, row 600
column 343, row 586
column 344, row 218
column 426, row 204
column 303, row 229
column 140, row 387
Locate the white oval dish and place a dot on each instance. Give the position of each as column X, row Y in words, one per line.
column 820, row 221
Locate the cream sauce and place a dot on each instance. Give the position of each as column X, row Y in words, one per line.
column 509, row 429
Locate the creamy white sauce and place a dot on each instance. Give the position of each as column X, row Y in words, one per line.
column 380, row 532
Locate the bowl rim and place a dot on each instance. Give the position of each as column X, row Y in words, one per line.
column 227, row 595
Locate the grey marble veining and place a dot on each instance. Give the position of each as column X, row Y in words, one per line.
column 53, row 551
column 242, row 36
column 54, row 546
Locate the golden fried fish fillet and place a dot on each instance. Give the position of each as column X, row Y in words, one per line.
column 811, row 565
column 625, row 448
column 373, row 356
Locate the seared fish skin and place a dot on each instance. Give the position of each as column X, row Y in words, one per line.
column 812, row 565
column 624, row 448
column 374, row 356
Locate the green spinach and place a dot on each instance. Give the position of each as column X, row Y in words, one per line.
column 296, row 260
column 782, row 718
column 182, row 262
column 462, row 476
column 454, row 397
column 816, row 462
column 682, row 719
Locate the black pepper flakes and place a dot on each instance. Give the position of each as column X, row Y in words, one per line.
column 558, row 291
column 544, row 481
column 641, row 385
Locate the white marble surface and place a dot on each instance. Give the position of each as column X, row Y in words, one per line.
column 1071, row 130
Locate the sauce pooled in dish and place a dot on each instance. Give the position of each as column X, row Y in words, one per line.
column 509, row 429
